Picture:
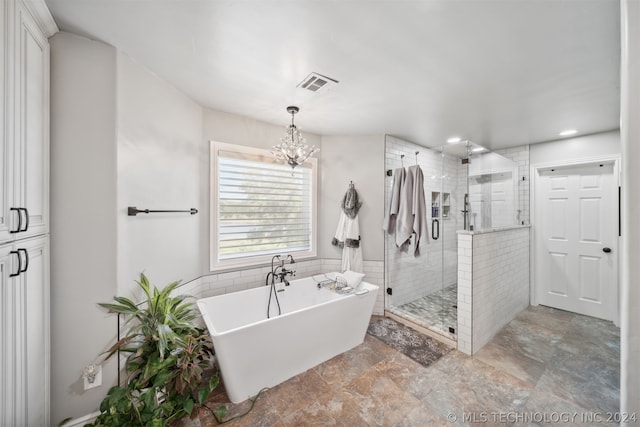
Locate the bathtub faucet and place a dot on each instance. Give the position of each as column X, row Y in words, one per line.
column 279, row 271
column 283, row 275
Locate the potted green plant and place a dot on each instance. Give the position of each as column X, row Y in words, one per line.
column 166, row 363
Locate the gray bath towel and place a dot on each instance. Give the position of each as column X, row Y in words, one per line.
column 350, row 202
column 391, row 216
column 420, row 227
column 412, row 212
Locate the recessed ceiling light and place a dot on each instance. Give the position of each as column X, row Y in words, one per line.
column 568, row 132
column 454, row 140
column 477, row 149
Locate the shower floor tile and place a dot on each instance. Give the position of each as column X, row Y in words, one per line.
column 437, row 311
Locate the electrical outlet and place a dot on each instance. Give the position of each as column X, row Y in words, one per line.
column 92, row 375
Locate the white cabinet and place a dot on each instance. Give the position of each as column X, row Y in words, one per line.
column 24, row 194
column 31, row 122
column 25, row 26
column 24, row 332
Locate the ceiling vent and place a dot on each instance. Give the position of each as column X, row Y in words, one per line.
column 315, row 82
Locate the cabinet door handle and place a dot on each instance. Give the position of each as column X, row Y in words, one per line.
column 26, row 216
column 26, row 260
column 19, row 264
column 19, row 229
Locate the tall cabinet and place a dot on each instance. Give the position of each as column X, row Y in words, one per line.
column 25, row 26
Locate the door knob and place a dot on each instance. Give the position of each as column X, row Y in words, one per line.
column 606, row 250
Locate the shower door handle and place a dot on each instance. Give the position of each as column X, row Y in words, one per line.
column 435, row 229
column 606, row 250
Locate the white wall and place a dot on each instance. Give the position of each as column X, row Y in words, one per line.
column 630, row 133
column 359, row 159
column 120, row 137
column 83, row 221
column 582, row 147
column 160, row 149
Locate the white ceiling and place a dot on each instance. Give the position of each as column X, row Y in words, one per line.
column 498, row 72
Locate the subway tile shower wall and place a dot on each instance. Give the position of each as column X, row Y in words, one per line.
column 520, row 155
column 465, row 313
column 493, row 284
column 234, row 281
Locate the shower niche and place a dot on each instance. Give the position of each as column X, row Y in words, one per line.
column 440, row 205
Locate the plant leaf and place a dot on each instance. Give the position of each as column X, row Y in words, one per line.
column 220, row 412
column 115, row 308
column 64, row 421
column 188, row 406
column 213, row 382
column 203, row 394
column 118, row 346
column 156, row 422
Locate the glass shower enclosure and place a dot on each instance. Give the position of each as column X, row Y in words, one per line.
column 423, row 288
column 466, row 187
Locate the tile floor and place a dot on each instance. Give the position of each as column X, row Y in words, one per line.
column 437, row 311
column 544, row 368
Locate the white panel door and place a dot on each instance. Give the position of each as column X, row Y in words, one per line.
column 35, row 297
column 24, row 333
column 31, row 183
column 6, row 147
column 576, row 232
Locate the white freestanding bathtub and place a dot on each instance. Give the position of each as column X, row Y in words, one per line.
column 256, row 352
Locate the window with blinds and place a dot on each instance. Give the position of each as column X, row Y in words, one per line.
column 262, row 207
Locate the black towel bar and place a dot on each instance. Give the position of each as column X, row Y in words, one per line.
column 133, row 211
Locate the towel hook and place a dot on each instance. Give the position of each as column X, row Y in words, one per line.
column 402, row 159
column 417, row 152
column 351, row 184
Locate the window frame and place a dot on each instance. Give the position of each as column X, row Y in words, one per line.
column 257, row 260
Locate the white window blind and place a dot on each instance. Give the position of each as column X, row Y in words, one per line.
column 263, row 207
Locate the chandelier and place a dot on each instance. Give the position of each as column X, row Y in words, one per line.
column 292, row 148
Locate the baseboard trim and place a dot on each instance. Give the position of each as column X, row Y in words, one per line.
column 80, row 422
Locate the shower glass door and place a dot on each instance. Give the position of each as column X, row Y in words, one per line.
column 453, row 181
column 432, row 302
column 422, row 288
